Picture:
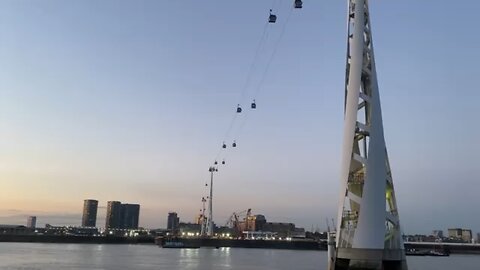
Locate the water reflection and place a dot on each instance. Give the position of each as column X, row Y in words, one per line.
column 20, row 256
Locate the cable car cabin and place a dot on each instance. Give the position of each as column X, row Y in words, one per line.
column 223, row 162
column 234, row 144
column 254, row 105
column 239, row 109
column 224, row 145
column 298, row 4
column 215, row 163
column 272, row 18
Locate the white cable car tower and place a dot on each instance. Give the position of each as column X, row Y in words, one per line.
column 368, row 232
column 210, row 225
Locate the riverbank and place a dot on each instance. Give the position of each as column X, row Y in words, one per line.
column 450, row 248
column 20, row 256
column 75, row 239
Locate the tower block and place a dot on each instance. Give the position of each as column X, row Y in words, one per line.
column 368, row 233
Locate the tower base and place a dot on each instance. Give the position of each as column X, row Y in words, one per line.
column 370, row 259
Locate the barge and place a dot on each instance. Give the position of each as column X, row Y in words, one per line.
column 303, row 244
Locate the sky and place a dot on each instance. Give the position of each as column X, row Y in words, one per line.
column 131, row 101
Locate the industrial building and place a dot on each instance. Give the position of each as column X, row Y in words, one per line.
column 189, row 229
column 464, row 235
column 282, row 229
column 256, row 223
column 244, row 222
column 14, row 229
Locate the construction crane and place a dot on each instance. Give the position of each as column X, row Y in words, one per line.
column 238, row 221
column 203, row 230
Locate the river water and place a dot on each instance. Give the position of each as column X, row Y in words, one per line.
column 31, row 256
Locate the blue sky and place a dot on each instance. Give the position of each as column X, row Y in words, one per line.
column 130, row 101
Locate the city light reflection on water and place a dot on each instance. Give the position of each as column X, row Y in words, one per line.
column 145, row 257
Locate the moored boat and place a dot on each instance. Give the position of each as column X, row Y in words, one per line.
column 438, row 253
column 434, row 253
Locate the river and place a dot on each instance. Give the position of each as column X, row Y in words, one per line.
column 31, row 256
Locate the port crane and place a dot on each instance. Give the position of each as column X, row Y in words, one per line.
column 237, row 223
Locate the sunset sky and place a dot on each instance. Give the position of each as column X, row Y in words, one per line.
column 130, row 101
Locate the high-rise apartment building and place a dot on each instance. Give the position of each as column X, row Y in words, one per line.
column 114, row 213
column 32, row 222
column 122, row 216
column 130, row 214
column 173, row 221
column 89, row 217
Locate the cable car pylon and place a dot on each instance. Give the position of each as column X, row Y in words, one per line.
column 368, row 233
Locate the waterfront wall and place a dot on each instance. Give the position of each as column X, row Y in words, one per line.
column 452, row 248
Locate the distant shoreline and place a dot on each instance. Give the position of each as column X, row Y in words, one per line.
column 74, row 239
column 452, row 248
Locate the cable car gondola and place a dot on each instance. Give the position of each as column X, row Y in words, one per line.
column 215, row 163
column 298, row 4
column 224, row 145
column 239, row 109
column 254, row 105
column 223, row 162
column 272, row 18
column 234, row 144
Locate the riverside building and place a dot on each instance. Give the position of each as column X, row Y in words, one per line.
column 89, row 217
column 122, row 216
column 32, row 222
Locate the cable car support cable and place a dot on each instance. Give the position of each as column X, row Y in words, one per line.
column 258, row 88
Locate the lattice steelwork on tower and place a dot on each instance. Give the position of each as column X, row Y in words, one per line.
column 368, row 232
